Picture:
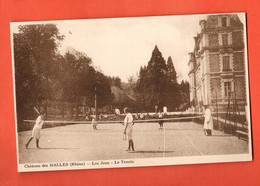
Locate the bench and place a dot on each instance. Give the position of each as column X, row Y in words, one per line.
column 241, row 134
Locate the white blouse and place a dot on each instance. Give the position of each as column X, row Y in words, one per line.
column 128, row 119
column 39, row 122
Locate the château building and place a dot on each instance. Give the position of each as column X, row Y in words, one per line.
column 217, row 63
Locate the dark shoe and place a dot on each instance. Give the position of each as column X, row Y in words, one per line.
column 132, row 144
column 26, row 146
column 37, row 143
column 127, row 150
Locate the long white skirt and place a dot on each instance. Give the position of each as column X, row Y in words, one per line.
column 129, row 132
column 36, row 133
column 208, row 125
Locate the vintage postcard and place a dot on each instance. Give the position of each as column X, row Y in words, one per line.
column 129, row 92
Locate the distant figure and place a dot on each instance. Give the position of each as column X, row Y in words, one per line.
column 208, row 122
column 105, row 116
column 156, row 109
column 165, row 110
column 117, row 111
column 160, row 121
column 100, row 116
column 88, row 116
column 94, row 122
column 193, row 109
column 141, row 116
column 36, row 130
column 128, row 129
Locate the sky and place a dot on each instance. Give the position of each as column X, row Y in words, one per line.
column 120, row 46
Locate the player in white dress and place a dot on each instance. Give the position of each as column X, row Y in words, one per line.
column 128, row 129
column 165, row 110
column 36, row 130
column 160, row 114
column 208, row 122
column 94, row 122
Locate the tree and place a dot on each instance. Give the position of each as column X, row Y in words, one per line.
column 157, row 80
column 81, row 82
column 174, row 94
column 171, row 71
column 185, row 94
column 44, row 77
column 35, row 51
column 75, row 74
column 116, row 81
column 157, row 84
column 152, row 83
column 141, row 89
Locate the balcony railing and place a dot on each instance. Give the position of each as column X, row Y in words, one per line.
column 227, row 69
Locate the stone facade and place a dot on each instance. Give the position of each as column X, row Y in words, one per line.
column 217, row 63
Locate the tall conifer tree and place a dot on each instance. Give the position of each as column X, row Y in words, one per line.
column 171, row 70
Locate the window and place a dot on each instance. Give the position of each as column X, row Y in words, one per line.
column 224, row 21
column 224, row 39
column 227, row 86
column 213, row 40
column 226, row 63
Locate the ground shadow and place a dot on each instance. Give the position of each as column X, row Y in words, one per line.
column 43, row 148
column 101, row 129
column 152, row 151
column 87, row 131
column 178, row 129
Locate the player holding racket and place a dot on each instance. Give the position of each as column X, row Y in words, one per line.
column 160, row 119
column 36, row 129
column 94, row 122
column 128, row 129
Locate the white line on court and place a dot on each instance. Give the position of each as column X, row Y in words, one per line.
column 189, row 140
column 164, row 141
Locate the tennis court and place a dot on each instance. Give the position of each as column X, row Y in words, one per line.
column 79, row 142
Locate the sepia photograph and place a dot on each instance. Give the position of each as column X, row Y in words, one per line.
column 131, row 92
